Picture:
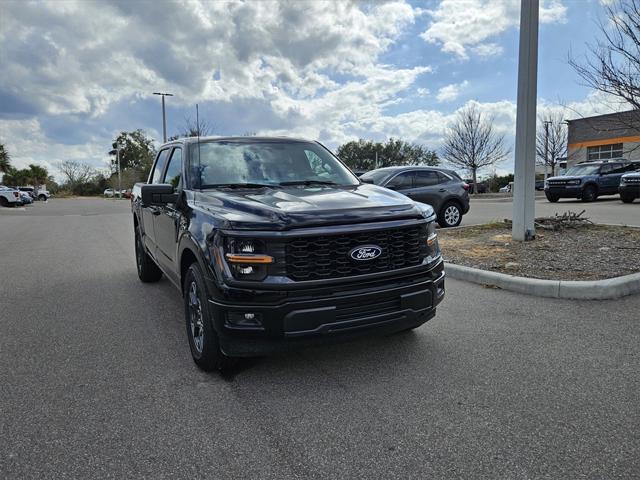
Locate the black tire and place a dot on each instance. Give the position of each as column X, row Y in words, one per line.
column 203, row 340
column 627, row 198
column 552, row 198
column 4, row 202
column 148, row 271
column 450, row 215
column 589, row 193
column 42, row 198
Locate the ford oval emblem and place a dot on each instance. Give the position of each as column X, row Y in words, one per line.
column 365, row 252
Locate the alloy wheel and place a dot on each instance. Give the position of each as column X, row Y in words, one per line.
column 451, row 215
column 195, row 318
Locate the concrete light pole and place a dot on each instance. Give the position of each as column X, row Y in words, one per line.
column 164, row 118
column 525, row 154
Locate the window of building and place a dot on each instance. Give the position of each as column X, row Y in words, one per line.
column 605, row 152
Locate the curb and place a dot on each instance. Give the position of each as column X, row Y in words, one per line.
column 607, row 289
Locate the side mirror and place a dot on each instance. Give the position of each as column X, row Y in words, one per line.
column 158, row 194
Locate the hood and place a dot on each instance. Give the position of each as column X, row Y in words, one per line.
column 564, row 178
column 283, row 208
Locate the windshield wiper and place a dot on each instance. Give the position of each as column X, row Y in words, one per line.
column 307, row 182
column 238, row 185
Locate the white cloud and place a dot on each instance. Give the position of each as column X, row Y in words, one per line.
column 27, row 143
column 87, row 55
column 460, row 24
column 488, row 50
column 451, row 92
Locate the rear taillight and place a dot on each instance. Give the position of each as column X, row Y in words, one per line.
column 16, row 194
column 465, row 186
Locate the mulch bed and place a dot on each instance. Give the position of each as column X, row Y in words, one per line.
column 587, row 252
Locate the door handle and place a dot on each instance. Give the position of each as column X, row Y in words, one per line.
column 442, row 190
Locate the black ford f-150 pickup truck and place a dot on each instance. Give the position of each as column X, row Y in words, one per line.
column 275, row 244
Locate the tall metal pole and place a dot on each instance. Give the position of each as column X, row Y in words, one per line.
column 164, row 122
column 164, row 118
column 525, row 154
column 119, row 177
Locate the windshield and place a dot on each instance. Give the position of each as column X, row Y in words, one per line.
column 578, row 170
column 376, row 176
column 228, row 164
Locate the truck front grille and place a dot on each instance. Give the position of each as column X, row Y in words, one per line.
column 324, row 257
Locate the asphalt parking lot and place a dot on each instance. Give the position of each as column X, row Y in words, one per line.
column 96, row 378
column 609, row 209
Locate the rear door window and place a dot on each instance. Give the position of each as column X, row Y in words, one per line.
column 427, row 178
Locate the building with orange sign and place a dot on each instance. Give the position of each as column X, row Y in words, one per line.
column 614, row 136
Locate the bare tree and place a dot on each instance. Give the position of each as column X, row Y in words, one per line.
column 551, row 142
column 613, row 63
column 75, row 173
column 471, row 142
column 190, row 128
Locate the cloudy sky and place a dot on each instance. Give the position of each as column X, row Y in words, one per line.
column 74, row 73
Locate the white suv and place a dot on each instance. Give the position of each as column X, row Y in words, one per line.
column 9, row 197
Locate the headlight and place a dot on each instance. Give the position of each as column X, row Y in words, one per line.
column 574, row 182
column 623, row 180
column 433, row 248
column 246, row 258
column 427, row 210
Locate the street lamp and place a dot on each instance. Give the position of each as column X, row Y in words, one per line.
column 116, row 151
column 164, row 118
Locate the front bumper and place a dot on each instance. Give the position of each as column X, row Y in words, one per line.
column 564, row 191
column 631, row 190
column 296, row 319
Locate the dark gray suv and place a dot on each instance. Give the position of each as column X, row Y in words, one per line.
column 443, row 189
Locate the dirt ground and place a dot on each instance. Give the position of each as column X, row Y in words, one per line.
column 587, row 253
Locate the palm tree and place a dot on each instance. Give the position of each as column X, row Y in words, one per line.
column 38, row 175
column 5, row 164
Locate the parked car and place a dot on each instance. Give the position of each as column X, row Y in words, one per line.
column 630, row 186
column 442, row 189
column 34, row 193
column 25, row 198
column 481, row 187
column 43, row 195
column 109, row 192
column 505, row 189
column 588, row 180
column 275, row 244
column 540, row 185
column 28, row 190
column 9, row 197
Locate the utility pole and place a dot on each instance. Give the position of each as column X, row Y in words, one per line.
column 164, row 118
column 119, row 175
column 525, row 154
column 116, row 149
column 546, row 147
